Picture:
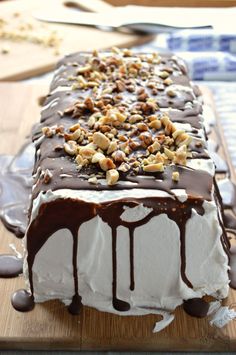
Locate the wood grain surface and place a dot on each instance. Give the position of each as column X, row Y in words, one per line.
column 27, row 59
column 173, row 3
column 49, row 325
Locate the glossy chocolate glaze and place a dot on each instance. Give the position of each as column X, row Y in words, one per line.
column 15, row 187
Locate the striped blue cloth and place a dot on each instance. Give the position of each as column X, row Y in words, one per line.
column 210, row 54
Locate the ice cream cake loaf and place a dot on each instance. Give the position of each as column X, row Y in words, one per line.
column 125, row 214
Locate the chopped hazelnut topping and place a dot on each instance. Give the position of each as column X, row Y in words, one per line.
column 118, row 156
column 118, row 131
column 171, row 93
column 112, row 176
column 106, row 164
column 47, row 176
column 124, row 167
column 87, row 152
column 97, row 157
column 168, row 81
column 70, row 147
column 112, row 147
column 48, row 131
column 163, row 74
column 152, row 168
column 93, row 180
column 175, row 176
column 101, row 140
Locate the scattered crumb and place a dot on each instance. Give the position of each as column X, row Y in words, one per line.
column 17, row 29
column 5, row 49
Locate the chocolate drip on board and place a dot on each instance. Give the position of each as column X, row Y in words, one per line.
column 22, row 301
column 196, row 307
column 10, row 266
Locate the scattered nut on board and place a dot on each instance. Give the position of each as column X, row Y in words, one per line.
column 5, row 49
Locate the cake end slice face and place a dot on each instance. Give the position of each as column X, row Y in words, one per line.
column 125, row 214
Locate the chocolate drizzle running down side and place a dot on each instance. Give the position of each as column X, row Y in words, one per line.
column 232, row 264
column 52, row 217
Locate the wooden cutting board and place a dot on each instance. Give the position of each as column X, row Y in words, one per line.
column 27, row 59
column 49, row 325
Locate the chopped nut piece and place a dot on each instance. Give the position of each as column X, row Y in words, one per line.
column 143, row 96
column 153, row 148
column 142, row 126
column 84, row 69
column 112, row 176
column 177, row 133
column 135, row 118
column 171, row 93
column 181, row 155
column 101, row 140
column 146, row 138
column 163, row 74
column 120, row 86
column 47, row 176
column 116, row 50
column 112, row 147
column 105, row 128
column 159, row 158
column 170, row 155
column 92, row 84
column 87, row 152
column 127, row 52
column 152, row 168
column 70, row 147
column 89, row 104
column 93, row 180
column 155, row 124
column 124, row 167
column 79, row 160
column 175, row 176
column 74, row 127
column 118, row 156
column 106, row 164
column 168, row 124
column 48, row 131
column 183, row 139
column 59, row 129
column 97, row 156
column 73, row 136
column 168, row 81
column 92, row 119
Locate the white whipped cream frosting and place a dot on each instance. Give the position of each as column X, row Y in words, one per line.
column 156, row 249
